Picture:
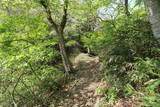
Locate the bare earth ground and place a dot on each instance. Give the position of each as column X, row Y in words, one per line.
column 82, row 91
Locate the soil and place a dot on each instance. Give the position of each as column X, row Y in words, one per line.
column 81, row 92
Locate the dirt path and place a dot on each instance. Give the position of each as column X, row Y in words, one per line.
column 81, row 92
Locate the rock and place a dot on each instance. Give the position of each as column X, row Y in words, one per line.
column 76, row 105
column 89, row 104
column 75, row 95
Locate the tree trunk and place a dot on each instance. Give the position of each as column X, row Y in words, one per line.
column 65, row 60
column 59, row 30
column 126, row 8
column 153, row 7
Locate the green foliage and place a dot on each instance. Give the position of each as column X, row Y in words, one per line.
column 100, row 91
column 144, row 70
column 131, row 57
column 129, row 90
column 29, row 74
column 93, row 40
column 151, row 99
column 112, row 94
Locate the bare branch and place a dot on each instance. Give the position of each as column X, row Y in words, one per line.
column 14, row 88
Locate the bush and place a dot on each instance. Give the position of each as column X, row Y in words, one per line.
column 29, row 74
column 130, row 54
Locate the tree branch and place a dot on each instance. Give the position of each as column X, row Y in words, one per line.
column 64, row 18
column 14, row 88
column 49, row 15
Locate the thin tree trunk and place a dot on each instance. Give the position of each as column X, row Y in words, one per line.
column 153, row 7
column 126, row 8
column 65, row 60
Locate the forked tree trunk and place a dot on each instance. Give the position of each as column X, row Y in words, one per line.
column 59, row 28
column 153, row 7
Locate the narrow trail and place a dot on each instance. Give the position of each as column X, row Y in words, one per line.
column 81, row 92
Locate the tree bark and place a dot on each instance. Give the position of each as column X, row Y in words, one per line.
column 153, row 7
column 65, row 60
column 126, row 8
column 60, row 31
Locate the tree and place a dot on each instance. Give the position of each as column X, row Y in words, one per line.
column 153, row 7
column 59, row 28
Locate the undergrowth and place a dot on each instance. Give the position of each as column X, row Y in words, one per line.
column 131, row 58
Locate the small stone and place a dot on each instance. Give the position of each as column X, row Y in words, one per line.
column 75, row 95
column 89, row 104
column 75, row 100
column 90, row 94
column 76, row 105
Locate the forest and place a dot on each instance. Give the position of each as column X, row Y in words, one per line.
column 79, row 53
